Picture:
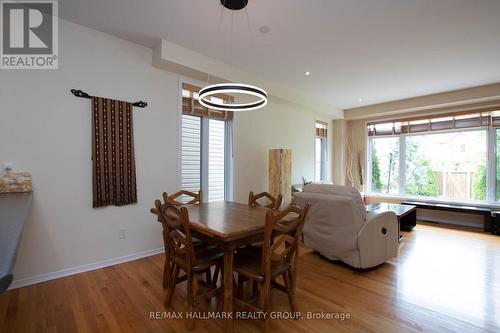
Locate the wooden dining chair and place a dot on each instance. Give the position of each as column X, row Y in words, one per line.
column 278, row 257
column 181, row 252
column 272, row 202
column 196, row 197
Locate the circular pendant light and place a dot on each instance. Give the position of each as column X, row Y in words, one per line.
column 234, row 4
column 206, row 93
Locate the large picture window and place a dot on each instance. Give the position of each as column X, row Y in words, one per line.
column 444, row 158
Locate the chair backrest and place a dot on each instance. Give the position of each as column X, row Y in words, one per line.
column 176, row 229
column 282, row 236
column 196, row 197
column 273, row 203
column 346, row 191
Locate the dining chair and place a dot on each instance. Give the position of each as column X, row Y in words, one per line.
column 196, row 199
column 278, row 257
column 272, row 202
column 181, row 252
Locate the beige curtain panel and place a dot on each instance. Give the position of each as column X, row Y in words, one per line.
column 113, row 174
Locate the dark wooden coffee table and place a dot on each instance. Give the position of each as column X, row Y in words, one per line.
column 407, row 214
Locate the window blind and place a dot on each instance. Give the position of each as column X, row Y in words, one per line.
column 216, row 160
column 321, row 129
column 191, row 153
column 191, row 105
column 435, row 123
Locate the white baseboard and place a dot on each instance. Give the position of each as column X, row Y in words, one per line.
column 82, row 268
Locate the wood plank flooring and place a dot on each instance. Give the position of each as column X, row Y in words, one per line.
column 445, row 280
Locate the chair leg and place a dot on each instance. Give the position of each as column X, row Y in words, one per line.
column 166, row 273
column 216, row 275
column 239, row 290
column 192, row 290
column 208, row 275
column 290, row 290
column 255, row 288
column 265, row 301
column 171, row 285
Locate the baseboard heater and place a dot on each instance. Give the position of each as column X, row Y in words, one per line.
column 449, row 213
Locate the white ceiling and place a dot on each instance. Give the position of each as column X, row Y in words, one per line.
column 376, row 50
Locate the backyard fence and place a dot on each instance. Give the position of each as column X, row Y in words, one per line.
column 455, row 184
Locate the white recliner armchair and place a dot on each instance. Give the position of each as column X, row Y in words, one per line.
column 340, row 229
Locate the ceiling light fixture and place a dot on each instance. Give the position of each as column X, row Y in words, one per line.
column 206, row 93
column 360, row 100
column 232, row 88
column 307, row 73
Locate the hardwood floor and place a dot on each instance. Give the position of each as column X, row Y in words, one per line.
column 445, row 280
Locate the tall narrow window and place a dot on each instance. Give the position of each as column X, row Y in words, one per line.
column 216, row 160
column 204, row 147
column 191, row 153
column 320, row 151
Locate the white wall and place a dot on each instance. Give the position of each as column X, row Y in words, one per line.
column 44, row 129
column 279, row 125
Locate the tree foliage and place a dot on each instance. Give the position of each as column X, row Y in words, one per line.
column 376, row 181
column 479, row 183
column 420, row 179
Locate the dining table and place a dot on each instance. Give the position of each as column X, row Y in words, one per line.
column 227, row 225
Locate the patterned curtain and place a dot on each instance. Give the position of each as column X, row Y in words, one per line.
column 113, row 175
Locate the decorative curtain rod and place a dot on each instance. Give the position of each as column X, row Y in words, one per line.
column 79, row 93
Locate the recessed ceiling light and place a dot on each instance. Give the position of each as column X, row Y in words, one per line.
column 307, row 73
column 360, row 100
column 264, row 29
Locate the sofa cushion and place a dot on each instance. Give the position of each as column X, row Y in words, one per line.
column 346, row 191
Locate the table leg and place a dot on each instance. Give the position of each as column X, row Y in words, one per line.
column 228, row 289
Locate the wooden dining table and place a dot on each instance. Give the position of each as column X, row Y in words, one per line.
column 227, row 225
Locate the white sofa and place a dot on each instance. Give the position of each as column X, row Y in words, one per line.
column 340, row 229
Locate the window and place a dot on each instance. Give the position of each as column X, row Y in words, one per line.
column 444, row 157
column 497, row 165
column 191, row 153
column 447, row 165
column 205, row 163
column 320, row 151
column 216, row 160
column 385, row 165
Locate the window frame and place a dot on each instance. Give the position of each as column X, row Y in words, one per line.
column 490, row 134
column 322, row 176
column 228, row 148
column 324, row 149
